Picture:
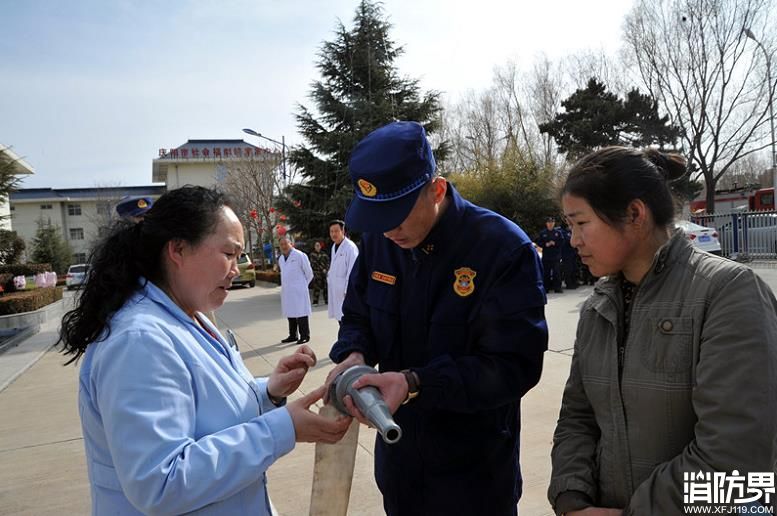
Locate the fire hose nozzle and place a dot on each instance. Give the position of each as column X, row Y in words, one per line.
column 367, row 399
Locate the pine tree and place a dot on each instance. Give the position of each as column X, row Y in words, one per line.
column 48, row 246
column 359, row 91
column 595, row 118
column 11, row 247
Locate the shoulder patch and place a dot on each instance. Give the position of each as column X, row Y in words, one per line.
column 388, row 279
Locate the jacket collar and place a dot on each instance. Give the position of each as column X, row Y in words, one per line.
column 340, row 247
column 445, row 231
column 205, row 327
column 676, row 249
column 157, row 295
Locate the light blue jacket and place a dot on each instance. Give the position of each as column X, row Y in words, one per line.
column 173, row 422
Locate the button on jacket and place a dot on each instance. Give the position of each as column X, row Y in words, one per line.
column 172, row 420
column 465, row 311
column 697, row 392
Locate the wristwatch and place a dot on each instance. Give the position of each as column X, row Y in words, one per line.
column 413, row 384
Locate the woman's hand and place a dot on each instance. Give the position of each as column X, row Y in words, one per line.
column 288, row 374
column 314, row 428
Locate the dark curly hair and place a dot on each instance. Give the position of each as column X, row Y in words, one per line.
column 134, row 251
column 610, row 178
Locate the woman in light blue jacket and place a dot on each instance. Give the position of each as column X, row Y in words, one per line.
column 173, row 422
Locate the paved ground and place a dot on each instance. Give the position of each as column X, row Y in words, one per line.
column 42, row 468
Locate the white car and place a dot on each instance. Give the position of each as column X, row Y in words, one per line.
column 702, row 237
column 76, row 275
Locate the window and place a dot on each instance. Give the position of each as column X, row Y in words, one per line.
column 45, row 206
column 78, row 258
column 76, row 233
column 74, row 209
column 103, row 208
column 103, row 231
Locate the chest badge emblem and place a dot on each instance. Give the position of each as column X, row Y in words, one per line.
column 464, row 284
column 368, row 189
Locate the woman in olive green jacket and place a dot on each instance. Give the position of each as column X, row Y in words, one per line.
column 674, row 367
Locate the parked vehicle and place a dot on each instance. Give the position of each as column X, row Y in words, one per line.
column 702, row 237
column 752, row 198
column 247, row 272
column 76, row 276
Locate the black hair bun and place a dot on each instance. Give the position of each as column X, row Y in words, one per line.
column 670, row 166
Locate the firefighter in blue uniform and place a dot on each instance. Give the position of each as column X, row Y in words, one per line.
column 551, row 240
column 569, row 260
column 133, row 208
column 446, row 297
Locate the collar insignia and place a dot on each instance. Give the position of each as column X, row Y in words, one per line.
column 464, row 284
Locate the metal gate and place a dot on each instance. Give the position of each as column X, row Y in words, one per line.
column 747, row 235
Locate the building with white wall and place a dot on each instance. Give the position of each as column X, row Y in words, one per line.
column 20, row 167
column 82, row 214
column 203, row 162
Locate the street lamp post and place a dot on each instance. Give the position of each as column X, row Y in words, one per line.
column 282, row 143
column 750, row 35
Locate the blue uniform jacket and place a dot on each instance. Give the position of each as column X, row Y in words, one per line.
column 465, row 310
column 553, row 252
column 173, row 422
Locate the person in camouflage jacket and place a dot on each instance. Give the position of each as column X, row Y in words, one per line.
column 319, row 261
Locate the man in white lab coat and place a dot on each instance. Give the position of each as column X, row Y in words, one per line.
column 296, row 275
column 343, row 256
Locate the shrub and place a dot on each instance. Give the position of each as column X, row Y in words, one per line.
column 269, row 277
column 6, row 281
column 29, row 300
column 25, row 269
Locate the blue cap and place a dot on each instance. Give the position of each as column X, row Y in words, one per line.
column 388, row 169
column 134, row 206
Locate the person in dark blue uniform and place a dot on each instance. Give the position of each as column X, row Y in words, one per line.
column 551, row 241
column 446, row 297
column 569, row 260
column 133, row 208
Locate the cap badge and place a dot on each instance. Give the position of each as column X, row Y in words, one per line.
column 368, row 189
column 142, row 203
column 464, row 284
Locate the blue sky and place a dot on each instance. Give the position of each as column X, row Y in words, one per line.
column 91, row 89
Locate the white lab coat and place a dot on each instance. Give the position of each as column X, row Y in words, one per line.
column 340, row 265
column 296, row 275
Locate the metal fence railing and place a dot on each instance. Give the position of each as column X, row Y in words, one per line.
column 744, row 236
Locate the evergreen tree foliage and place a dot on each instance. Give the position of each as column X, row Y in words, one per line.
column 11, row 247
column 360, row 90
column 595, row 118
column 48, row 246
